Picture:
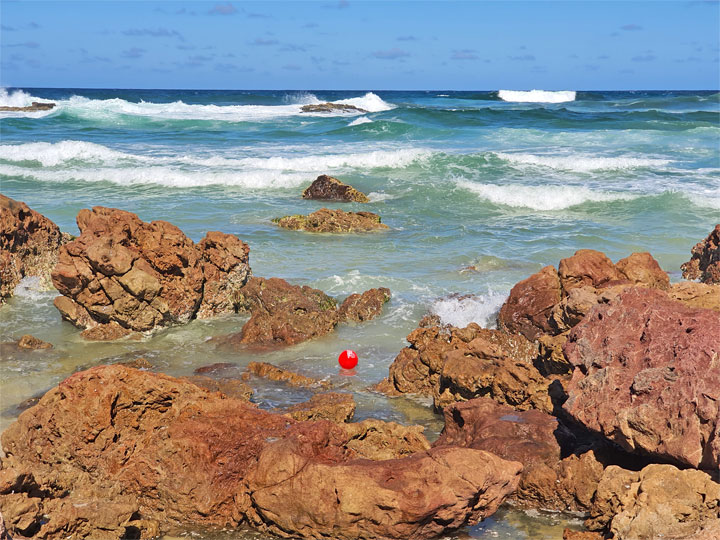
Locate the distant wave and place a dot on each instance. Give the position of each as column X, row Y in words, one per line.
column 360, row 121
column 18, row 98
column 537, row 96
column 582, row 163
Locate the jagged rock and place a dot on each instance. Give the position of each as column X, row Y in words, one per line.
column 705, row 262
column 328, row 188
column 105, row 332
column 332, row 221
column 332, row 406
column 115, row 452
column 700, row 295
column 274, row 373
column 31, row 342
column 569, row 534
column 35, row 106
column 648, row 376
column 365, row 306
column 232, row 388
column 29, row 244
column 659, row 501
column 140, row 276
column 331, row 107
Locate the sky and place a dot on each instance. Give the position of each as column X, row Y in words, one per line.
column 350, row 44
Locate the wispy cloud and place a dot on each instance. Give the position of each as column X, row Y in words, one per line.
column 342, row 4
column 631, row 27
column 292, row 67
column 223, row 9
column 391, row 54
column 154, row 32
column 464, row 54
column 6, row 28
column 522, row 58
column 310, row 25
column 232, row 67
column 263, row 42
column 644, row 58
column 133, row 52
column 406, row 38
column 293, row 47
column 25, row 44
column 34, row 25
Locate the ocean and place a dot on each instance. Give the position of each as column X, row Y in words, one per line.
column 479, row 189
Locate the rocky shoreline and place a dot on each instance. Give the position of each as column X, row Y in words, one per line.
column 599, row 392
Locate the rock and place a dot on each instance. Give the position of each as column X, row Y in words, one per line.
column 120, row 452
column 29, row 244
column 587, row 268
column 214, row 369
column 642, row 269
column 327, row 188
column 105, row 332
column 232, row 388
column 32, row 343
column 648, row 377
column 137, row 363
column 274, row 373
column 35, row 106
column 365, row 306
column 331, row 107
column 138, row 276
column 569, row 534
column 535, row 439
column 698, row 295
column 332, row 221
column 705, row 261
column 332, row 406
column 660, row 501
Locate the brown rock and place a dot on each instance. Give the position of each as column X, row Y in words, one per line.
column 660, row 501
column 232, row 388
column 332, row 221
column 327, row 188
column 698, row 295
column 642, row 269
column 168, row 453
column 31, row 342
column 705, row 262
column 365, row 306
column 331, row 107
column 648, row 376
column 332, row 406
column 569, row 534
column 588, row 268
column 29, row 244
column 139, row 276
column 35, row 106
column 274, row 373
column 105, row 332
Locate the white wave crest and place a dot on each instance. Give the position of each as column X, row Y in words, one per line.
column 582, row 163
column 18, row 98
column 53, row 154
column 370, row 102
column 461, row 311
column 537, row 96
column 541, row 198
column 360, row 121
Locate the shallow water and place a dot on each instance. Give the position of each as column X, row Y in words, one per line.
column 478, row 193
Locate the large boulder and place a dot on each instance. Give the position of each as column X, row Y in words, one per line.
column 333, row 221
column 328, row 188
column 705, row 262
column 648, row 376
column 29, row 245
column 138, row 276
column 114, row 452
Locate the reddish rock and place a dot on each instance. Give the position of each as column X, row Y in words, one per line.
column 121, row 452
column 29, row 244
column 365, row 306
column 569, row 534
column 105, row 332
column 642, row 269
column 332, row 221
column 659, row 501
column 32, row 343
column 274, row 373
column 648, row 376
column 327, row 188
column 588, row 268
column 698, row 295
column 705, row 262
column 332, row 406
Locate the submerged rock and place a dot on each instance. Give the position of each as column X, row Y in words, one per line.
column 35, row 106
column 332, row 221
column 120, row 452
column 331, row 107
column 274, row 373
column 327, row 188
column 136, row 276
column 705, row 262
column 29, row 245
column 333, row 406
column 31, row 342
column 648, row 377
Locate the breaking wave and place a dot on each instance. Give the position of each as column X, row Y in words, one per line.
column 537, row 96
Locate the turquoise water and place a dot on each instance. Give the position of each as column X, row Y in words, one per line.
column 463, row 179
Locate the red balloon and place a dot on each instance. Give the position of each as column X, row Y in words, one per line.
column 348, row 359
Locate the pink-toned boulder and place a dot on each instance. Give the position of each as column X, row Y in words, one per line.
column 705, row 262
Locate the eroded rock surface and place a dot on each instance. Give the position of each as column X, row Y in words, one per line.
column 29, row 245
column 333, row 221
column 113, row 451
column 35, row 106
column 705, row 262
column 648, row 376
column 274, row 373
column 331, row 107
column 328, row 188
column 138, row 276
column 333, row 406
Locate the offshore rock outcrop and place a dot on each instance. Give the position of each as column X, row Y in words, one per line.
column 333, row 221
column 29, row 245
column 123, row 274
column 35, row 106
column 705, row 262
column 114, row 452
column 331, row 107
column 328, row 188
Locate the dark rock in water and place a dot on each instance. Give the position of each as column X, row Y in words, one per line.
column 114, row 452
column 365, row 306
column 29, row 244
column 327, row 188
column 331, row 107
column 332, row 221
column 705, row 262
column 217, row 367
column 660, row 501
column 648, row 377
column 128, row 275
column 32, row 343
column 333, row 406
column 35, row 106
column 274, row 373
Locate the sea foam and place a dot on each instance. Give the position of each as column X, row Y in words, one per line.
column 461, row 311
column 360, row 121
column 537, row 96
column 582, row 163
column 18, row 98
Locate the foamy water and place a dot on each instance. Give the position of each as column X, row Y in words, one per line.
column 537, row 96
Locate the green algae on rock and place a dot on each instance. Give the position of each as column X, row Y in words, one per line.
column 333, row 221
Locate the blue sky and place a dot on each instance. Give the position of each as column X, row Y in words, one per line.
column 361, row 45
